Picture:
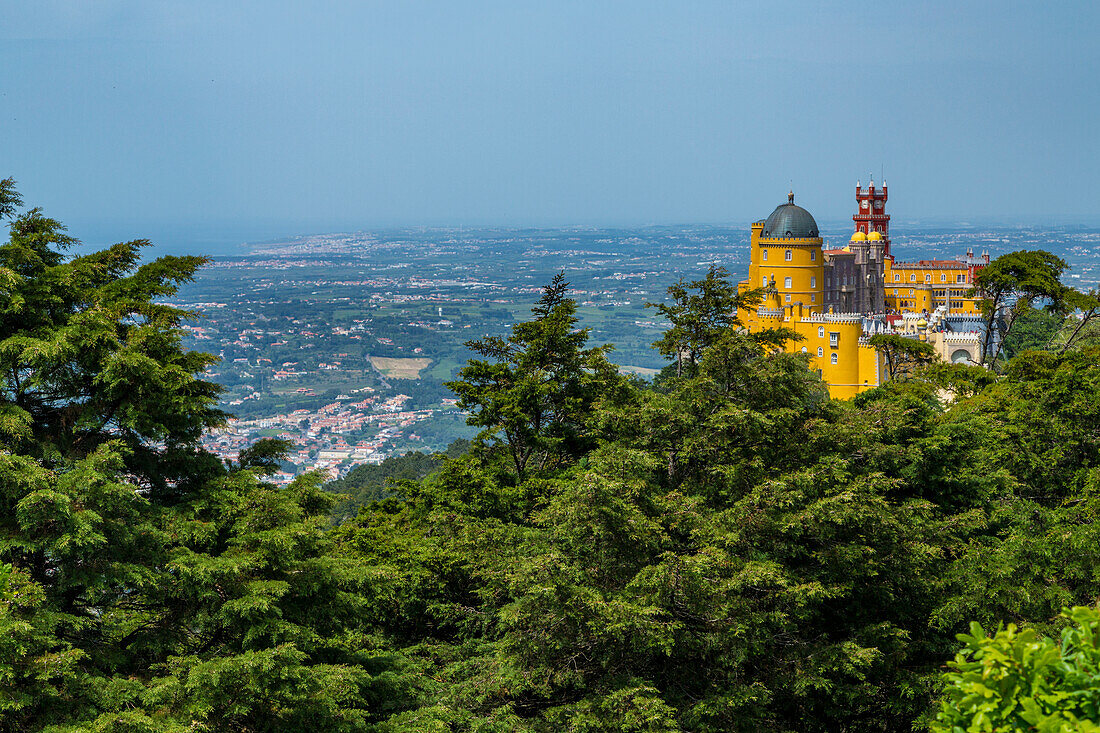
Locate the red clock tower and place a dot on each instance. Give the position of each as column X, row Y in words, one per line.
column 871, row 213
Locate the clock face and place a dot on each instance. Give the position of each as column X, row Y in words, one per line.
column 863, row 204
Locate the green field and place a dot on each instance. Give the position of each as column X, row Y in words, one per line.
column 444, row 368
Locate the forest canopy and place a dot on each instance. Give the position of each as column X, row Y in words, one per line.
column 722, row 549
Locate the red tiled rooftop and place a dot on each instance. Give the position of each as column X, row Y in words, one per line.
column 941, row 264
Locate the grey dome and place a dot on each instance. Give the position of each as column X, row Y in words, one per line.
column 789, row 220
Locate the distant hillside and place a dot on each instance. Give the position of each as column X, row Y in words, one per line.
column 370, row 482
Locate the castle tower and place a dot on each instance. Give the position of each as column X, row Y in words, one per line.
column 786, row 259
column 871, row 213
column 788, row 262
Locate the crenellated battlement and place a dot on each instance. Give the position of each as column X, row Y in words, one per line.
column 961, row 336
column 855, row 318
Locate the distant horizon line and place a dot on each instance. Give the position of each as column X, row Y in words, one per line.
column 310, row 229
column 224, row 237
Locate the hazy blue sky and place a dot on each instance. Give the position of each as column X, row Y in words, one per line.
column 195, row 119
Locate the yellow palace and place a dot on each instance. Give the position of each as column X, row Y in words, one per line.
column 837, row 298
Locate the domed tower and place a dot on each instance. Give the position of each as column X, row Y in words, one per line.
column 786, row 258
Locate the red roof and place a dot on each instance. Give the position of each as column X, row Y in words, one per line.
column 941, row 264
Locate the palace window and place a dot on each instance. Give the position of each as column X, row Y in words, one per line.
column 910, row 291
column 813, row 281
column 897, row 277
column 895, row 291
column 834, row 339
column 960, row 278
column 943, row 277
column 912, row 277
column 764, row 281
column 803, row 349
column 813, row 297
column 788, row 298
column 788, row 256
column 821, row 332
column 764, row 255
column 820, row 352
column 928, row 278
column 813, row 255
column 787, row 283
column 833, row 358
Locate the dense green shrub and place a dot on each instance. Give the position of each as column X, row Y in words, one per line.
column 1017, row 680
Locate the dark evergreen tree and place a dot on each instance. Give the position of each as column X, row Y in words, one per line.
column 533, row 393
column 144, row 586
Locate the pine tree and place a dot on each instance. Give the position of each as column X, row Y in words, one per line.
column 144, row 585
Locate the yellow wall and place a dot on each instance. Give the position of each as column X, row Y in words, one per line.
column 857, row 366
column 926, row 282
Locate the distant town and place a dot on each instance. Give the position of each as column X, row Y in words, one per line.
column 342, row 343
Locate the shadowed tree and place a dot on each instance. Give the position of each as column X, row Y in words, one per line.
column 144, row 585
column 703, row 312
column 1027, row 276
column 533, row 392
column 903, row 355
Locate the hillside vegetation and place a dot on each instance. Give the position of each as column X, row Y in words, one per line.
column 723, row 549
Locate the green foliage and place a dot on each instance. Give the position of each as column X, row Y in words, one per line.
column 145, row 586
column 698, row 320
column 728, row 550
column 1034, row 329
column 88, row 356
column 533, row 398
column 1027, row 276
column 965, row 380
column 903, row 355
column 1081, row 327
column 1020, row 681
column 368, row 482
column 737, row 552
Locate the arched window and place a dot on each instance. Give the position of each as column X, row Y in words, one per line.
column 820, row 352
column 813, row 255
column 788, row 256
column 803, row 349
column 820, row 333
column 833, row 358
column 764, row 255
column 787, row 283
